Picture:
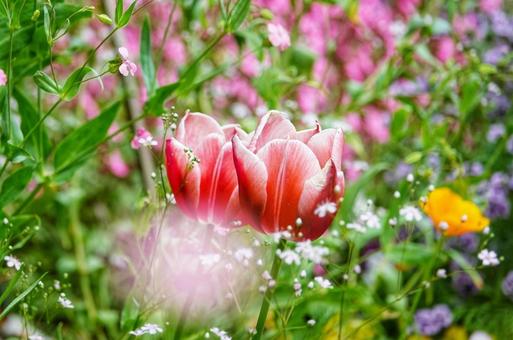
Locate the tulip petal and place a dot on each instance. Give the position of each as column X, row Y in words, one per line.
column 273, row 125
column 184, row 181
column 218, row 178
column 328, row 144
column 289, row 164
column 306, row 135
column 252, row 178
column 231, row 130
column 194, row 127
column 318, row 190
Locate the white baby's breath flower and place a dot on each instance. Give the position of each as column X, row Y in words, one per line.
column 311, row 252
column 356, row 227
column 289, row 256
column 12, row 262
column 221, row 334
column 243, row 255
column 410, row 213
column 324, row 283
column 65, row 302
column 311, row 322
column 149, row 328
column 326, row 208
column 370, row 220
column 441, row 273
column 208, row 260
column 488, row 257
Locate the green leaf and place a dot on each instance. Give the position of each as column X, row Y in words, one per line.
column 119, row 11
column 125, row 18
column 398, row 125
column 29, row 118
column 238, row 14
column 147, row 65
column 14, row 185
column 470, row 95
column 409, row 254
column 10, row 286
column 76, row 148
column 46, row 83
column 155, row 105
column 72, row 84
column 21, row 297
column 129, row 315
column 47, row 25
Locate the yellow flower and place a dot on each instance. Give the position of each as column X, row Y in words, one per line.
column 453, row 215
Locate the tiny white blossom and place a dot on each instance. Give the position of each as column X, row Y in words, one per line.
column 325, row 209
column 57, row 285
column 259, row 262
column 324, row 283
column 397, row 194
column 303, row 273
column 392, row 221
column 243, row 255
column 357, row 269
column 65, row 302
column 486, row 230
column 6, row 221
column 310, row 284
column 36, row 337
column 441, row 273
column 267, row 276
column 220, row 333
column 410, row 178
column 170, row 198
column 431, row 187
column 464, row 218
column 149, row 328
column 410, row 213
column 488, row 257
column 443, row 225
column 370, row 219
column 289, row 256
column 148, row 141
column 12, row 262
column 356, row 227
column 271, row 283
column 311, row 252
column 311, row 322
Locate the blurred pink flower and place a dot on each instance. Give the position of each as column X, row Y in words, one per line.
column 310, row 99
column 3, row 78
column 444, row 48
column 127, row 67
column 376, row 124
column 464, row 24
column 142, row 138
column 280, row 8
column 116, row 165
column 490, row 6
column 250, row 66
column 407, row 7
column 278, row 36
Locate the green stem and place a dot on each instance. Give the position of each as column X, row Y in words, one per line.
column 343, row 296
column 80, row 257
column 186, row 308
column 264, row 308
column 9, row 83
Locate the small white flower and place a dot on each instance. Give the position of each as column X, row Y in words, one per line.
column 397, row 194
column 486, row 230
column 271, row 283
column 297, row 288
column 464, row 218
column 243, row 255
column 303, row 273
column 262, row 289
column 289, row 256
column 356, row 227
column 311, row 322
column 324, row 283
column 480, row 335
column 12, row 262
column 311, row 252
column 6, row 221
column 410, row 178
column 65, row 302
column 325, row 209
column 410, row 213
column 260, row 262
column 149, row 328
column 357, row 269
column 488, row 257
column 220, row 333
column 147, row 141
column 57, row 285
column 370, row 220
column 170, row 198
column 392, row 221
column 310, row 284
column 441, row 273
column 266, row 276
column 443, row 225
column 431, row 187
column 36, row 337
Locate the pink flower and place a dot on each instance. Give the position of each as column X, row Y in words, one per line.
column 444, row 48
column 116, row 165
column 310, row 99
column 3, row 78
column 142, row 138
column 288, row 180
column 278, row 36
column 127, row 67
column 201, row 171
column 490, row 6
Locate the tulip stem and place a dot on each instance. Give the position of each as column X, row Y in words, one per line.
column 264, row 308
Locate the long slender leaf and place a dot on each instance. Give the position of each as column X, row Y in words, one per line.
column 21, row 297
column 147, row 65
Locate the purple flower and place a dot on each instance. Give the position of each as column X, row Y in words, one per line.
column 432, row 321
column 474, row 169
column 495, row 132
column 498, row 204
column 399, row 173
column 463, row 285
column 467, row 243
column 507, row 285
column 502, row 25
column 501, row 104
column 495, row 55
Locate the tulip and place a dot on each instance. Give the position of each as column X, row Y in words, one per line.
column 201, row 171
column 288, row 180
